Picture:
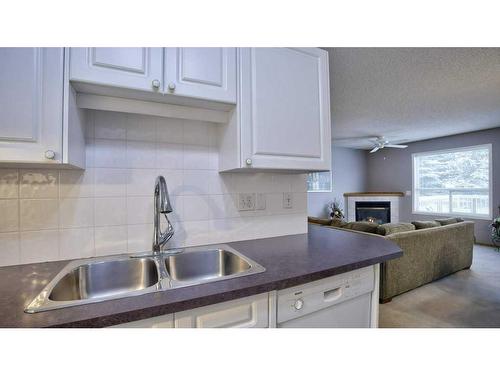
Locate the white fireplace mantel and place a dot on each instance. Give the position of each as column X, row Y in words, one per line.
column 392, row 197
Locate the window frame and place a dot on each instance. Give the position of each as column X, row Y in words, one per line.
column 414, row 156
column 323, row 191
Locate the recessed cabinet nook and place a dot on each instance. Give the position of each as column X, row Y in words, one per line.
column 261, row 98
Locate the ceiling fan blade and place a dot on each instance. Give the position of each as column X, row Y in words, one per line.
column 374, row 149
column 396, row 146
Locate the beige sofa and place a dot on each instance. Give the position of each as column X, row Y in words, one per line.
column 428, row 254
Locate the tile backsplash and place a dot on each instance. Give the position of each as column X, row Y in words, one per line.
column 49, row 214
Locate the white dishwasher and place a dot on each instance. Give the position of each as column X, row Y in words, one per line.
column 340, row 301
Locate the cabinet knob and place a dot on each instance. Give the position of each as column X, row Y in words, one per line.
column 298, row 304
column 156, row 83
column 171, row 86
column 49, row 154
column 248, row 161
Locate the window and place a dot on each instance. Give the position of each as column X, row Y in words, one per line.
column 319, row 182
column 454, row 182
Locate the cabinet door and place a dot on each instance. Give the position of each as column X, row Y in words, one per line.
column 285, row 108
column 163, row 321
column 133, row 68
column 205, row 73
column 31, row 104
column 249, row 312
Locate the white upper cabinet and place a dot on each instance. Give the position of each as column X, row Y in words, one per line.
column 39, row 124
column 198, row 73
column 282, row 120
column 131, row 68
column 205, row 73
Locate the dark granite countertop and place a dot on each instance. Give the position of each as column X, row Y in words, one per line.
column 289, row 261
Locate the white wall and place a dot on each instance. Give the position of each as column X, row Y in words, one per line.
column 349, row 169
column 107, row 209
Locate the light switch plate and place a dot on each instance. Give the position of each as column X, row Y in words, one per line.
column 287, row 200
column 246, row 202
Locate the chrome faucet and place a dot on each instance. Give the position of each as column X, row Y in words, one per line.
column 161, row 206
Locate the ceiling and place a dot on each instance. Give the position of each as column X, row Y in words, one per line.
column 411, row 94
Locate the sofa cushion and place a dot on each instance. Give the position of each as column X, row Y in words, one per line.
column 390, row 228
column 338, row 223
column 448, row 220
column 425, row 224
column 362, row 226
column 319, row 220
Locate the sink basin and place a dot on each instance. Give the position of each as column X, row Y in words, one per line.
column 99, row 279
column 193, row 267
column 103, row 279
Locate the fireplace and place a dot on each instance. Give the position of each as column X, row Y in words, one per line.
column 373, row 211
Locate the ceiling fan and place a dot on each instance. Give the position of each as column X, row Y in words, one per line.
column 380, row 142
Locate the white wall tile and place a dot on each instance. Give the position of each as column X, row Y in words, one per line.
column 76, row 212
column 140, row 238
column 196, row 207
column 76, row 243
column 141, row 182
column 110, row 240
column 76, row 183
column 9, row 215
column 195, row 182
column 110, row 153
column 108, row 207
column 196, row 157
column 9, row 249
column 110, row 211
column 39, row 184
column 110, row 125
column 36, row 214
column 110, row 182
column 220, row 183
column 139, row 210
column 170, row 130
column 141, row 154
column 141, row 128
column 9, row 183
column 39, row 246
column 196, row 133
column 169, row 156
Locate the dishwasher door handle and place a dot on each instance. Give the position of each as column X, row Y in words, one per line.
column 332, row 294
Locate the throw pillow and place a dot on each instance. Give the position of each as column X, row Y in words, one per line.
column 362, row 226
column 390, row 228
column 338, row 223
column 425, row 224
column 319, row 220
column 449, row 220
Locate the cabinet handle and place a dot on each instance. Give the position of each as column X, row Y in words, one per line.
column 171, row 86
column 156, row 83
column 248, row 161
column 49, row 154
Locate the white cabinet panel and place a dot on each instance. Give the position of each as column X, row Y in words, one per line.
column 206, row 73
column 163, row 321
column 133, row 68
column 285, row 108
column 249, row 312
column 31, row 104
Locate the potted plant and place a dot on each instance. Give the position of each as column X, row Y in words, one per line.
column 335, row 211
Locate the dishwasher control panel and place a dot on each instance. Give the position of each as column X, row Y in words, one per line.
column 308, row 298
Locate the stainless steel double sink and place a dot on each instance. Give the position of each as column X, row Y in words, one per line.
column 101, row 279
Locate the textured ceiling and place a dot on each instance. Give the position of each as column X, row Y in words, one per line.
column 411, row 94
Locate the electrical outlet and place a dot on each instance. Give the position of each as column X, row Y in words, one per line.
column 287, row 200
column 260, row 203
column 246, row 202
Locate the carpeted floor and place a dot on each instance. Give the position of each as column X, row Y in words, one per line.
column 469, row 298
